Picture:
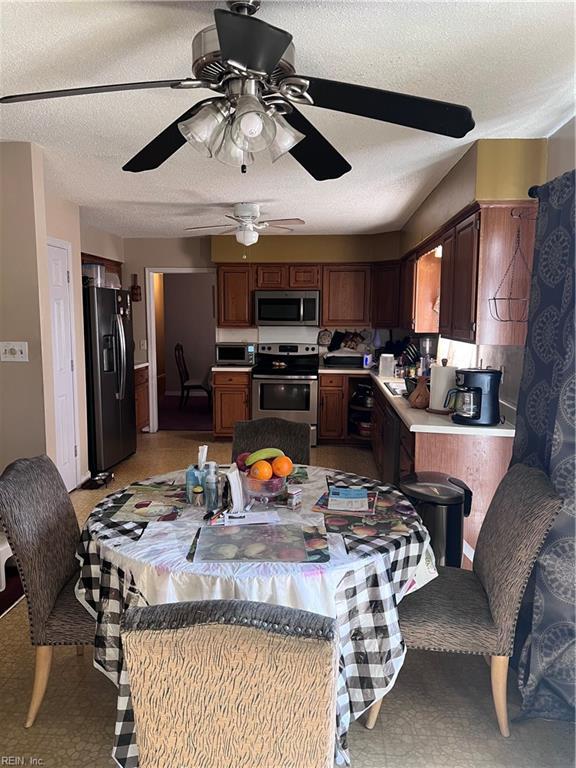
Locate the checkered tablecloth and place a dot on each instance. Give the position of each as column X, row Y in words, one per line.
column 372, row 650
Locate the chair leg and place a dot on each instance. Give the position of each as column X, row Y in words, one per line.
column 79, row 650
column 372, row 715
column 181, row 403
column 499, row 678
column 41, row 675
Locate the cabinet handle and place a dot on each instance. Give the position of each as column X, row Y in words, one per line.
column 473, row 326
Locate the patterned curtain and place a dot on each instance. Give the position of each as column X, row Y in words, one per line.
column 545, row 653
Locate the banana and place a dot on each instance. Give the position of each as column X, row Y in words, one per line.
column 263, row 454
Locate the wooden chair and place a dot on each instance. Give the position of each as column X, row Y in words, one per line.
column 38, row 519
column 186, row 384
column 289, row 436
column 230, row 683
column 476, row 611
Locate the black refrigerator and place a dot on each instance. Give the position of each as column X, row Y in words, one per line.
column 109, row 377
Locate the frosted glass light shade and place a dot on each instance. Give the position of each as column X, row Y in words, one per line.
column 252, row 129
column 199, row 129
column 286, row 138
column 224, row 149
column 246, row 236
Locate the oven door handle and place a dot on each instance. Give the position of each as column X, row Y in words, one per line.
column 279, row 378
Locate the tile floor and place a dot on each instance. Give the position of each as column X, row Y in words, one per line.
column 439, row 714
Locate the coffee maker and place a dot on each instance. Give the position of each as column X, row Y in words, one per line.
column 475, row 400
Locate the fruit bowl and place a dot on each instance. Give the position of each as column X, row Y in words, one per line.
column 262, row 490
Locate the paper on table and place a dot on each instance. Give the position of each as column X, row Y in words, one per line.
column 249, row 518
column 236, row 490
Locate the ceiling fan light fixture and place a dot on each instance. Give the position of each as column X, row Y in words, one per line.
column 286, row 138
column 199, row 129
column 246, row 235
column 253, row 130
column 226, row 151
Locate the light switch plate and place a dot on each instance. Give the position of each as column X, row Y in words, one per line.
column 143, row 345
column 14, row 351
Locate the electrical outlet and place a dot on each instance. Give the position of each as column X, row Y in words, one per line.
column 143, row 345
column 14, row 351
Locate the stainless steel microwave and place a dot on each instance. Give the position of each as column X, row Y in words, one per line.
column 287, row 307
column 235, row 353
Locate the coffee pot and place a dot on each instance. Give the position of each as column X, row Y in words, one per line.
column 475, row 399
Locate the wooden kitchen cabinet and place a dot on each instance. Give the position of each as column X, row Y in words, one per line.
column 331, row 413
column 141, row 398
column 230, row 401
column 306, row 276
column 270, row 277
column 446, row 273
column 420, row 292
column 385, row 295
column 464, row 277
column 235, row 284
column 346, row 295
column 407, row 276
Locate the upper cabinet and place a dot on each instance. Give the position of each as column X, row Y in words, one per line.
column 270, row 277
column 304, row 276
column 385, row 295
column 476, row 254
column 420, row 293
column 346, row 295
column 407, row 294
column 235, row 285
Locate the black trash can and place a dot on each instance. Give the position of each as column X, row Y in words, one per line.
column 442, row 502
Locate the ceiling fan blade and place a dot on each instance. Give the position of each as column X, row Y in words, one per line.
column 163, row 146
column 274, row 222
column 315, row 153
column 275, row 226
column 235, row 218
column 208, row 226
column 400, row 108
column 91, row 89
column 250, row 42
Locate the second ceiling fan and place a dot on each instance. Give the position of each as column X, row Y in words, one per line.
column 248, row 224
column 250, row 65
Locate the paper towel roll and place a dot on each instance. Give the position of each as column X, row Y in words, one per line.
column 442, row 378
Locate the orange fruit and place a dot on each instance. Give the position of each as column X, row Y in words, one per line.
column 282, row 466
column 261, row 470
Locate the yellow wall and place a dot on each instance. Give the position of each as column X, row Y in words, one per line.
column 507, row 168
column 309, row 248
column 492, row 169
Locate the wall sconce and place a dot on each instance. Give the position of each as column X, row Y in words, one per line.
column 135, row 290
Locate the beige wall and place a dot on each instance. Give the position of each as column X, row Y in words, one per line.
column 63, row 223
column 23, row 272
column 309, row 248
column 96, row 242
column 456, row 190
column 140, row 253
column 562, row 150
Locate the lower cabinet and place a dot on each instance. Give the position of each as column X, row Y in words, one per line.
column 141, row 398
column 230, row 401
column 331, row 416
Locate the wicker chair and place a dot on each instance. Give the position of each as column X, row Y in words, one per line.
column 41, row 527
column 289, row 436
column 231, row 683
column 476, row 611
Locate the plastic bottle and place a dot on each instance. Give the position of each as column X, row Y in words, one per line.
column 211, row 487
column 191, row 482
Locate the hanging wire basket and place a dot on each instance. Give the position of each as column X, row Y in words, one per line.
column 509, row 308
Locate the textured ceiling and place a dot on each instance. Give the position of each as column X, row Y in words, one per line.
column 512, row 63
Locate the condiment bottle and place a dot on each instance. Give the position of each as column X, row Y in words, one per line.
column 211, row 487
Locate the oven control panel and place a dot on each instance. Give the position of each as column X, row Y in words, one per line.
column 288, row 349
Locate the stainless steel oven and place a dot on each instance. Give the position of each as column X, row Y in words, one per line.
column 285, row 384
column 287, row 307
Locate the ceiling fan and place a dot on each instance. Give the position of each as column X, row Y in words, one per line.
column 249, row 64
column 248, row 227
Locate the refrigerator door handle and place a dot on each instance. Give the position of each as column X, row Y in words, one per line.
column 122, row 341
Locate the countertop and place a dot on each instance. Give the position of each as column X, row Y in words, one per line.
column 231, row 368
column 419, row 420
column 140, row 365
column 347, row 371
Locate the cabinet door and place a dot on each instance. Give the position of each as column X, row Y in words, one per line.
column 385, row 295
column 390, row 446
column 377, row 430
column 464, row 279
column 272, row 276
column 427, row 293
column 304, row 276
column 446, row 280
column 346, row 296
column 142, row 408
column 408, row 273
column 331, row 416
column 235, row 296
column 230, row 406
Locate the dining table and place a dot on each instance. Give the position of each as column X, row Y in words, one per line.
column 137, row 549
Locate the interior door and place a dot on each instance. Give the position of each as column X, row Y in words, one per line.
column 63, row 364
